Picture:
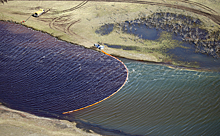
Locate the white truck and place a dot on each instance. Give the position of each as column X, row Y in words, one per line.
column 99, row 46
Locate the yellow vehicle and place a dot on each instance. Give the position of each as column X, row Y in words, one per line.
column 39, row 12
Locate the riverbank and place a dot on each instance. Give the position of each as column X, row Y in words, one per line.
column 13, row 122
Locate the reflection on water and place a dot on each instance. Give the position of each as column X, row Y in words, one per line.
column 158, row 100
column 141, row 30
column 188, row 55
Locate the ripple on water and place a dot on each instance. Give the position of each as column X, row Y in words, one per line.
column 161, row 101
column 43, row 75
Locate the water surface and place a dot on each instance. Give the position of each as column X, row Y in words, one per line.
column 158, row 100
column 45, row 76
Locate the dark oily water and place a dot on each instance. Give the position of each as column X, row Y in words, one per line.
column 43, row 75
column 158, row 100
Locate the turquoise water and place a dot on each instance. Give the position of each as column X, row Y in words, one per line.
column 157, row 100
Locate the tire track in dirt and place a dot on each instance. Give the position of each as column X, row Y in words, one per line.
column 76, row 7
column 54, row 20
column 51, row 24
column 208, row 12
column 66, row 29
column 215, row 18
column 197, row 4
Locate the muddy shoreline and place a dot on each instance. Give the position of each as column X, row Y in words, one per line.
column 23, row 123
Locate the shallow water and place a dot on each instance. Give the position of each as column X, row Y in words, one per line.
column 189, row 54
column 158, row 100
column 141, row 30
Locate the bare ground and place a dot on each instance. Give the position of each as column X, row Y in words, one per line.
column 13, row 122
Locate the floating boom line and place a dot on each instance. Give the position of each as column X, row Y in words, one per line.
column 106, row 97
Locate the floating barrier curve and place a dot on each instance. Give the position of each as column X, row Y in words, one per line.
column 106, row 97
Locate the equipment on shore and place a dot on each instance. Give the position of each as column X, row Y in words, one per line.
column 99, row 46
column 26, row 19
column 38, row 13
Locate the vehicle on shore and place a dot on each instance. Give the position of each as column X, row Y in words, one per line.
column 99, row 46
column 39, row 12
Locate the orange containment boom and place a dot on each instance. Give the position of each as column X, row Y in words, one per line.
column 106, row 97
